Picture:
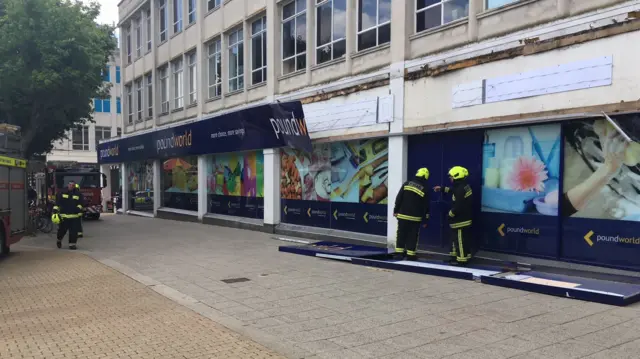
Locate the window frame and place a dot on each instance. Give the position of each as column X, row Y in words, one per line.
column 102, row 130
column 177, row 79
column 118, row 105
column 192, row 71
column 216, row 57
column 138, row 23
column 163, row 18
column 262, row 34
column 216, row 4
column 148, row 78
column 149, row 30
column 239, row 44
column 177, row 16
column 128, row 40
column 442, row 23
column 191, row 11
column 163, row 79
column 106, row 75
column 139, row 99
column 97, row 105
column 297, row 14
column 106, row 105
column 117, row 74
column 377, row 26
column 332, row 41
column 84, row 138
column 129, row 97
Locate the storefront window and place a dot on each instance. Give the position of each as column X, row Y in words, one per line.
column 180, row 183
column 341, row 185
column 140, row 178
column 235, row 184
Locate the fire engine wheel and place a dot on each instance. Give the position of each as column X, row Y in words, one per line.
column 4, row 247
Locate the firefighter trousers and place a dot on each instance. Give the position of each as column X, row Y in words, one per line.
column 80, row 234
column 71, row 225
column 407, row 236
column 461, row 243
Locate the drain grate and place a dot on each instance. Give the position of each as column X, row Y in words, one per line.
column 236, row 280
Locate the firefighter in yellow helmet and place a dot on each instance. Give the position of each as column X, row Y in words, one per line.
column 67, row 212
column 80, row 232
column 411, row 209
column 460, row 215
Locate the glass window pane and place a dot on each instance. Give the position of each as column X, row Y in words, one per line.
column 301, row 62
column 301, row 34
column 339, row 19
column 256, row 27
column 429, row 18
column 289, row 66
column 323, row 24
column 492, row 4
column 421, row 4
column 323, row 54
column 366, row 14
column 256, row 52
column 256, row 77
column 339, row 49
column 288, row 39
column 384, row 34
column 301, row 5
column 288, row 10
column 384, row 11
column 367, row 40
column 264, row 50
column 454, row 10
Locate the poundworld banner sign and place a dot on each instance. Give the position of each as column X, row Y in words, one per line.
column 266, row 126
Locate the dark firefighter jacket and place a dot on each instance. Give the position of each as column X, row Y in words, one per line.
column 412, row 202
column 69, row 203
column 461, row 212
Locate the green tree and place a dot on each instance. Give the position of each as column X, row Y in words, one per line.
column 52, row 55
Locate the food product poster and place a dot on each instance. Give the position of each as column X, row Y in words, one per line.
column 351, row 172
column 180, row 175
column 601, row 173
column 236, row 174
column 520, row 170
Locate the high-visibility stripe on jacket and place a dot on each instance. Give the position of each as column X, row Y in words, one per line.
column 461, row 213
column 412, row 202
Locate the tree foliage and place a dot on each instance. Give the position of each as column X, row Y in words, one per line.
column 52, row 55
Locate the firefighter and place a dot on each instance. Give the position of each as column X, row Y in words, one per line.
column 80, row 232
column 67, row 212
column 461, row 214
column 411, row 208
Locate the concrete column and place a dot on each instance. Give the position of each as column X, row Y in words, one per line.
column 157, row 186
column 311, row 39
column 402, row 26
column 125, row 187
column 273, row 45
column 397, row 176
column 202, row 186
column 475, row 8
column 352, row 31
column 246, row 43
column 271, row 187
column 564, row 8
column 106, row 191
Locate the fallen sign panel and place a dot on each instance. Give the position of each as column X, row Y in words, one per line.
column 334, row 250
column 430, row 268
column 587, row 289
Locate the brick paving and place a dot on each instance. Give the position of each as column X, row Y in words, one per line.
column 60, row 304
column 321, row 309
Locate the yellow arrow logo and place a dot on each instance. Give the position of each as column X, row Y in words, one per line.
column 366, row 217
column 335, row 214
column 587, row 238
column 285, row 209
column 500, row 229
column 309, row 212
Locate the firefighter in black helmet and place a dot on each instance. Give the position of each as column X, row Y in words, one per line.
column 460, row 215
column 411, row 208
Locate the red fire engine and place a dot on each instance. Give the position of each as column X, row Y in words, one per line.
column 91, row 183
column 13, row 194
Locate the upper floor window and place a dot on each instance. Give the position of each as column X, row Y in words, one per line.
column 178, row 83
column 129, row 98
column 139, row 100
column 259, row 51
column 106, row 74
column 492, row 4
column 294, row 36
column 102, row 133
column 193, row 77
column 97, row 105
column 118, row 105
column 177, row 16
column 374, row 23
column 80, row 138
column 236, row 61
column 163, row 20
column 192, row 11
column 149, row 83
column 117, row 74
column 214, row 56
column 434, row 13
column 212, row 4
column 128, row 45
column 331, row 30
column 139, row 36
column 102, row 105
column 119, row 132
column 149, row 30
column 163, row 75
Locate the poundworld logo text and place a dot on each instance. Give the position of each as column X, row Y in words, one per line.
column 618, row 239
column 110, row 152
column 288, row 126
column 521, row 230
column 174, row 141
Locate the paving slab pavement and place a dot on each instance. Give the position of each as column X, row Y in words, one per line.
column 60, row 304
column 306, row 307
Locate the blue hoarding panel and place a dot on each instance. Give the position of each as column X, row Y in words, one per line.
column 518, row 234
column 177, row 200
column 250, row 207
column 333, row 248
column 260, row 127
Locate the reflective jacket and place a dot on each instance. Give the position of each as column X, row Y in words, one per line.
column 461, row 213
column 412, row 202
column 69, row 203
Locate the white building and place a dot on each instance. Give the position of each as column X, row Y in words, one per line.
column 80, row 147
column 433, row 82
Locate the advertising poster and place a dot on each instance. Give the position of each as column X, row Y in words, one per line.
column 180, row 183
column 235, row 184
column 601, row 185
column 340, row 185
column 140, row 178
column 520, row 189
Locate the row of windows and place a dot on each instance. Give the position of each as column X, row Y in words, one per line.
column 106, row 75
column 80, row 136
column 104, row 105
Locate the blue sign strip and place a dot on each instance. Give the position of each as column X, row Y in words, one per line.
column 266, row 126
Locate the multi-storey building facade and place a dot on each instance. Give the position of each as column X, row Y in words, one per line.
column 81, row 144
column 514, row 90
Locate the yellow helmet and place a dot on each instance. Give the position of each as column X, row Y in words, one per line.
column 55, row 218
column 77, row 186
column 458, row 172
column 423, row 173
